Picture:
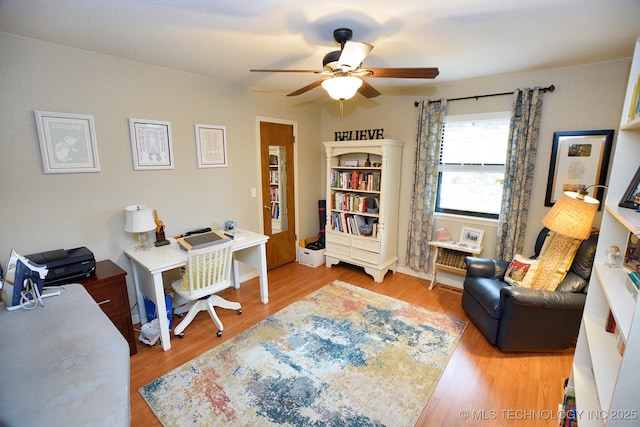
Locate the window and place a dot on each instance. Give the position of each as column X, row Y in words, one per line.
column 473, row 150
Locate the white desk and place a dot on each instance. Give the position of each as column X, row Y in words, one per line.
column 148, row 266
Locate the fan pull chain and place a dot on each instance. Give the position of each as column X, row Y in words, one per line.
column 341, row 112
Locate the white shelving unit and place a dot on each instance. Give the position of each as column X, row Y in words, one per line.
column 363, row 186
column 606, row 382
column 277, row 195
column 449, row 257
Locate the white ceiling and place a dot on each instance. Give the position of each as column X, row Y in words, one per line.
column 224, row 39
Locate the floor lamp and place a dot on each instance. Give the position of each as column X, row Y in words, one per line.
column 570, row 221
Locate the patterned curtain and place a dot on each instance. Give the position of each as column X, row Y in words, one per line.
column 518, row 178
column 425, row 182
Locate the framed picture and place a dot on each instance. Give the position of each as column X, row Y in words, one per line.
column 632, row 253
column 579, row 159
column 211, row 146
column 631, row 197
column 151, row 144
column 471, row 236
column 67, row 142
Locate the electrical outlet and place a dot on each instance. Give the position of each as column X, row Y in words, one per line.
column 254, row 192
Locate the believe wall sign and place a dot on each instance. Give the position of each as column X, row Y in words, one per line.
column 356, row 135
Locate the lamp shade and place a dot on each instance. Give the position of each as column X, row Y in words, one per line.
column 342, row 87
column 139, row 219
column 572, row 216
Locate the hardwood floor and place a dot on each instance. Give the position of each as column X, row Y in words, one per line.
column 481, row 386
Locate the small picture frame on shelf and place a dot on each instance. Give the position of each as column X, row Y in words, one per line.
column 471, row 237
column 442, row 235
column 631, row 197
column 351, row 163
column 632, row 253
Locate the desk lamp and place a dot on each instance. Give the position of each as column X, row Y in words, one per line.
column 139, row 219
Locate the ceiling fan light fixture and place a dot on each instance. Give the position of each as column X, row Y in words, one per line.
column 342, row 87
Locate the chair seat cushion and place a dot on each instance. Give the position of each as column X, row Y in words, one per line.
column 486, row 292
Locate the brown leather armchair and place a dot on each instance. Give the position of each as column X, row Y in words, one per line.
column 523, row 319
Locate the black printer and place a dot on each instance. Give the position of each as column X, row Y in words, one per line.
column 65, row 265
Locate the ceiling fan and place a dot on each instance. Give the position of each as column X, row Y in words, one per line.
column 343, row 72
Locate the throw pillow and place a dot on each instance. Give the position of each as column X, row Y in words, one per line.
column 521, row 271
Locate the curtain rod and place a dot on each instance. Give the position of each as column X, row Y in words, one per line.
column 551, row 88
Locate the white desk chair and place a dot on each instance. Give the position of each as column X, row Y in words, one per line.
column 207, row 272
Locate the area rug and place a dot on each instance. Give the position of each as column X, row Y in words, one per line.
column 342, row 356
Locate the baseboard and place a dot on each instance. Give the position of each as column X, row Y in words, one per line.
column 442, row 279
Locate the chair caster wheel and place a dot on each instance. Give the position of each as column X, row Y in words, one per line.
column 239, row 311
column 180, row 335
column 179, row 316
column 219, row 333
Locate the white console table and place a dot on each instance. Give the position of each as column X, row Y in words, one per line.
column 64, row 364
column 454, row 264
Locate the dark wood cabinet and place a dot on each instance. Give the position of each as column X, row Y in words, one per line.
column 108, row 287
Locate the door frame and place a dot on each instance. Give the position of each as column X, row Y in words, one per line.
column 295, row 170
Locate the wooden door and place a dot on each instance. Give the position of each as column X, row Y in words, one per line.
column 276, row 141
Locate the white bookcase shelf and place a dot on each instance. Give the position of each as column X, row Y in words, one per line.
column 605, row 374
column 363, row 186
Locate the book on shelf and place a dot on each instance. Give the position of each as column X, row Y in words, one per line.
column 568, row 413
column 620, row 341
column 354, row 202
column 633, row 284
column 610, row 325
column 634, row 105
column 356, row 180
column 350, row 224
column 451, row 258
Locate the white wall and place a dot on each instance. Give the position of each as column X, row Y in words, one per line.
column 43, row 212
column 51, row 211
column 586, row 97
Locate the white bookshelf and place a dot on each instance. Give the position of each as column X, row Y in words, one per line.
column 606, row 382
column 376, row 166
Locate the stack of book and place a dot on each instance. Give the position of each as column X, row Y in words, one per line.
column 612, row 327
column 451, row 258
column 356, row 180
column 568, row 413
column 633, row 283
column 634, row 106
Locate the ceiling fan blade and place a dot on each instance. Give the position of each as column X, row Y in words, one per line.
column 353, row 54
column 285, row 71
column 404, row 73
column 306, row 88
column 367, row 90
